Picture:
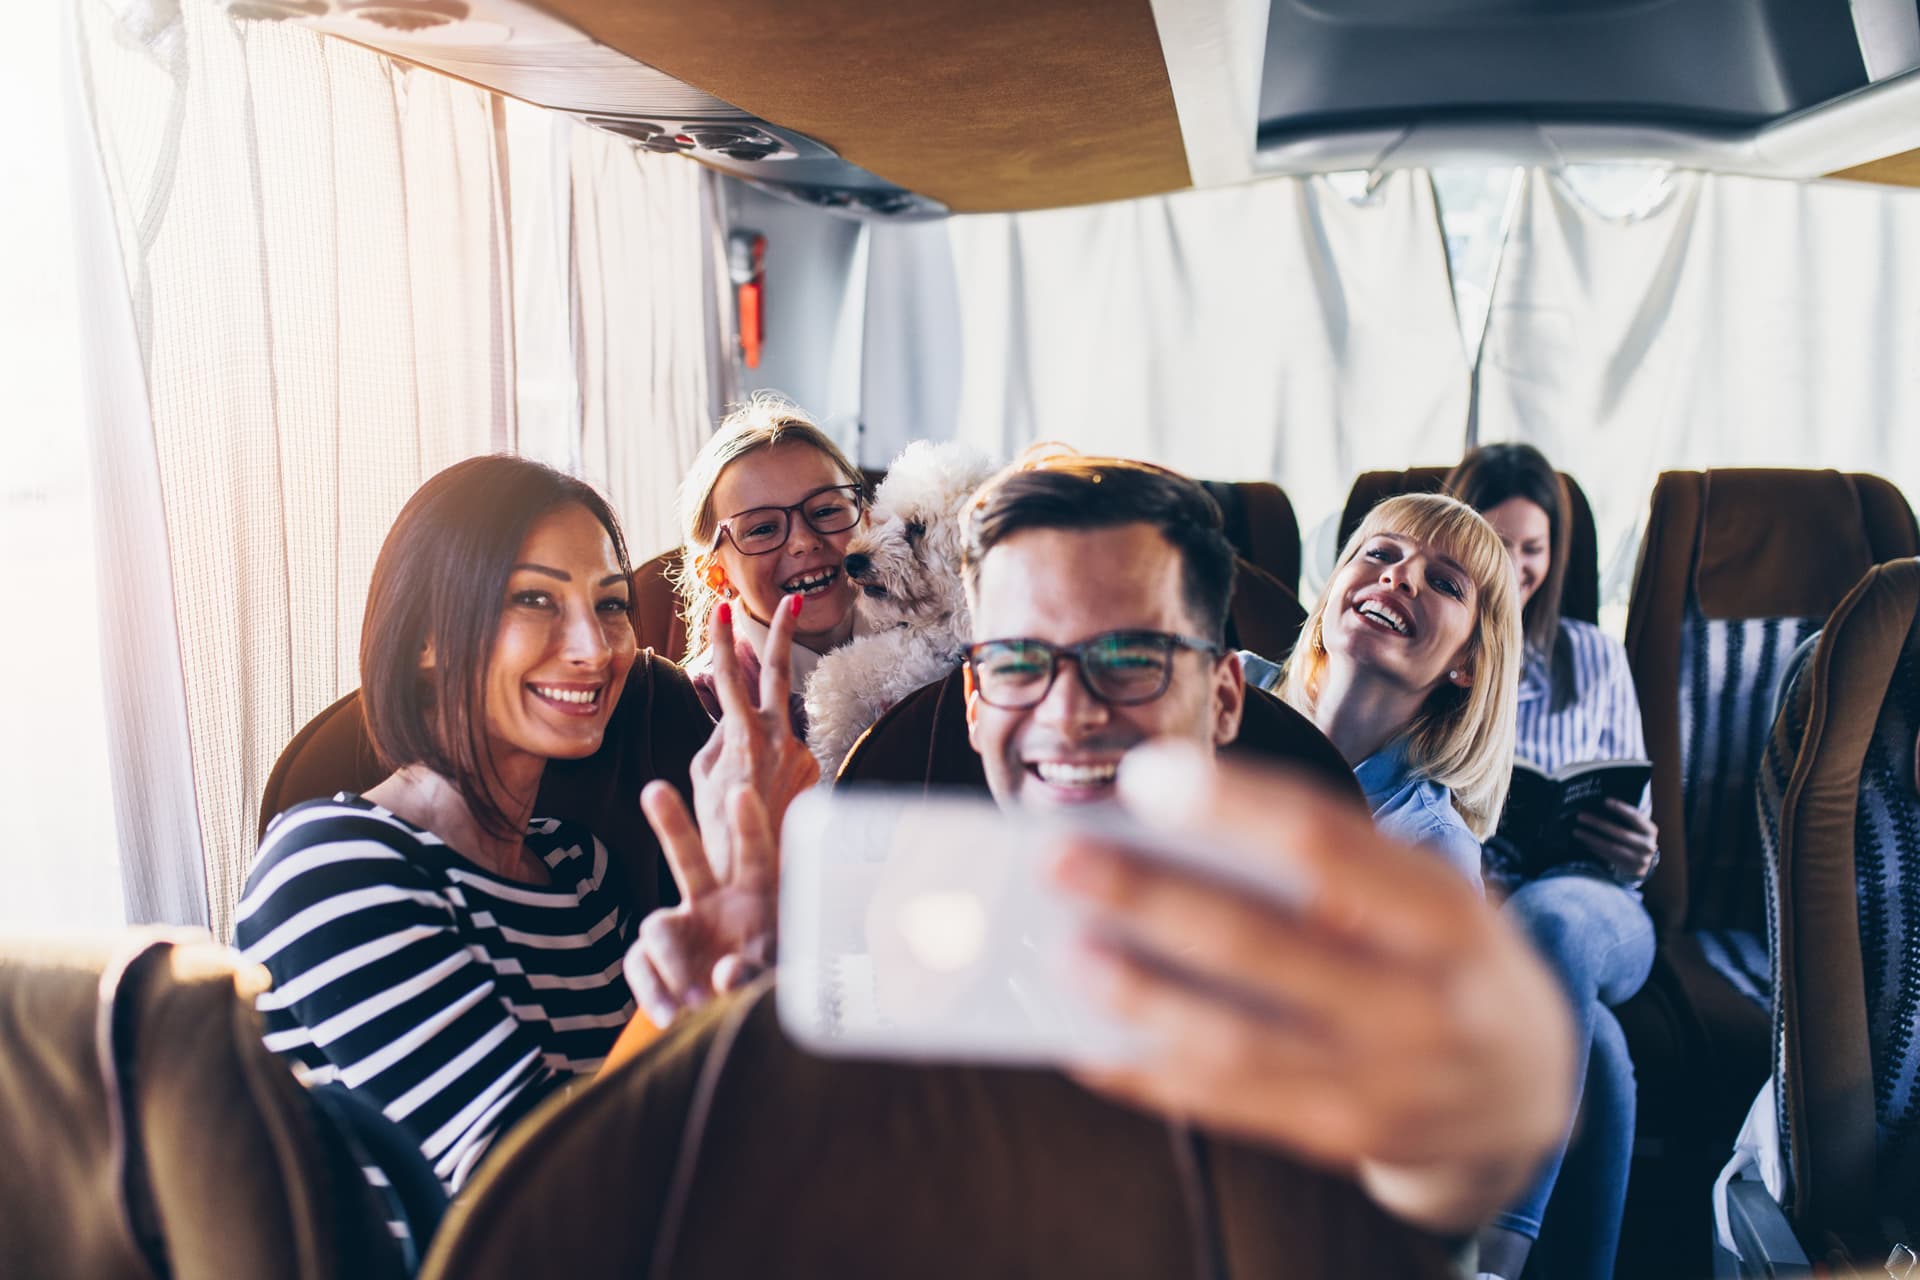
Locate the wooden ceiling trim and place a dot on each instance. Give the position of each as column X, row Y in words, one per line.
column 984, row 105
column 1901, row 170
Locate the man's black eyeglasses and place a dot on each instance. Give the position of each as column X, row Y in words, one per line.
column 761, row 530
column 1121, row 668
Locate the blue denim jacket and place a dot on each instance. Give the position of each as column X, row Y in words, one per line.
column 1416, row 809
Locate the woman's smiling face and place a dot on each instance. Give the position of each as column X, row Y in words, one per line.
column 565, row 642
column 808, row 564
column 1402, row 610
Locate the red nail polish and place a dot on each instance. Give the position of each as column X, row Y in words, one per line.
column 798, row 603
column 724, row 612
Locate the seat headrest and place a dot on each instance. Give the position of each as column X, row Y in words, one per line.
column 1779, row 544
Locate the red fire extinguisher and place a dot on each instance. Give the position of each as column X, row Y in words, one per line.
column 746, row 267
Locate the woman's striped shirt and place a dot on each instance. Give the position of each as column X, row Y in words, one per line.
column 452, row 998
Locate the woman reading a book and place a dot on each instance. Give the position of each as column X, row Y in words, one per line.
column 1408, row 664
column 1576, row 895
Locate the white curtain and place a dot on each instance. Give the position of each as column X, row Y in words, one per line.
column 650, row 303
column 1275, row 331
column 1739, row 322
column 317, row 247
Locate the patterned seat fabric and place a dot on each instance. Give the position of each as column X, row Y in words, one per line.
column 1886, row 879
column 1887, row 875
column 1730, row 669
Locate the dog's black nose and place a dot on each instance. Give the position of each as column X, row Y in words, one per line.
column 857, row 564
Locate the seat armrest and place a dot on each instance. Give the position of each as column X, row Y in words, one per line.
column 1768, row 1247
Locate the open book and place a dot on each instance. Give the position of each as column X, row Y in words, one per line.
column 1542, row 808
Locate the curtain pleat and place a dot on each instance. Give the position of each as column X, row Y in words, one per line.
column 318, row 245
column 1272, row 331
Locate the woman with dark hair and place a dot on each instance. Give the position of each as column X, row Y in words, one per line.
column 1577, row 704
column 434, row 946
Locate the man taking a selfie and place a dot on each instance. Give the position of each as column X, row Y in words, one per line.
column 1387, row 1027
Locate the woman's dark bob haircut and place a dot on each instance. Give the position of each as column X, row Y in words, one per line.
column 1493, row 473
column 441, row 579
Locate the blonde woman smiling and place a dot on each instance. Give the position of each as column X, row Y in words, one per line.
column 1408, row 663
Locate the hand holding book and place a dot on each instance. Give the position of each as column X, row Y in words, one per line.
column 1587, row 812
column 1625, row 838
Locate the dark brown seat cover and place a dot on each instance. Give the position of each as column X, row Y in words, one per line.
column 1736, row 567
column 1579, row 597
column 150, row 1131
column 724, row 1151
column 923, row 741
column 1858, row 686
column 653, row 733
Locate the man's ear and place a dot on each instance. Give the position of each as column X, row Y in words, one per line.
column 1229, row 699
column 973, row 707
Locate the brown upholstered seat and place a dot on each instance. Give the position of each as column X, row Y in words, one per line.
column 1736, row 568
column 1837, row 797
column 150, row 1131
column 1258, row 518
column 653, row 733
column 724, row 1151
column 922, row 741
column 1579, row 597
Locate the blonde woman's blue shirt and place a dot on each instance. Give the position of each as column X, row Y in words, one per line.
column 1417, row 809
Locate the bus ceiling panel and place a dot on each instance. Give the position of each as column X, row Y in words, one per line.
column 516, row 49
column 1706, row 64
column 983, row 105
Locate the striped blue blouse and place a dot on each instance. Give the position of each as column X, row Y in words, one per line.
column 1580, row 705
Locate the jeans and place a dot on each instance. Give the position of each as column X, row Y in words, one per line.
column 1598, row 940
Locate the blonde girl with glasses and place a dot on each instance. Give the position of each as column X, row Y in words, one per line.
column 767, row 510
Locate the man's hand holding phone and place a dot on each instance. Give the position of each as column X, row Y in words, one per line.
column 1388, row 1022
column 727, row 864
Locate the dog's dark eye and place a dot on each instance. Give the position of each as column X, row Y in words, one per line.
column 915, row 531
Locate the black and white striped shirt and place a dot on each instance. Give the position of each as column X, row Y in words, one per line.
column 452, row 998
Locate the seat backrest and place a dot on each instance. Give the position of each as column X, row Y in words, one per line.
column 1737, row 567
column 656, row 608
column 653, row 733
column 151, row 1132
column 1580, row 592
column 875, row 1169
column 1259, row 521
column 1839, row 814
column 922, row 741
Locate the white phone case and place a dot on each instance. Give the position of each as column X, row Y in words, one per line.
column 923, row 926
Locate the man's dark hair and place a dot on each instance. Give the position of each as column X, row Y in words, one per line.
column 1067, row 491
column 441, row 578
column 1493, row 473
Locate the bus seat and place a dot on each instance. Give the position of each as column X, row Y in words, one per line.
column 656, row 608
column 1840, row 819
column 871, row 1169
column 154, row 1133
column 653, row 733
column 1264, row 614
column 1579, row 596
column 1737, row 567
column 922, row 741
column 1258, row 519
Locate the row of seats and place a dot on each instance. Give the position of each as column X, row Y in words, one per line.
column 1736, row 569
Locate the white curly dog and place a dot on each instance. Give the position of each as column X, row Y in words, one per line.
column 906, row 562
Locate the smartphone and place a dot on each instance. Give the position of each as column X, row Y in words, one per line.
column 924, row 926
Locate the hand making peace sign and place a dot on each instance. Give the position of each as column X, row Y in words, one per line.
column 728, row 863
